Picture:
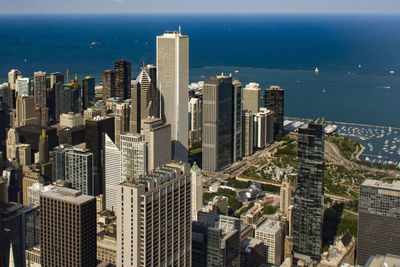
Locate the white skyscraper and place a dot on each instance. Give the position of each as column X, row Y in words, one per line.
column 112, row 172
column 173, row 82
column 197, row 190
column 286, row 195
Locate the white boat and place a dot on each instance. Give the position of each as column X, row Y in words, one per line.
column 316, row 70
column 391, row 72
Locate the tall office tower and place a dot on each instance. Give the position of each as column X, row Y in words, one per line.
column 309, row 199
column 31, row 176
column 112, row 159
column 13, row 76
column 197, row 190
column 108, row 84
column 68, row 99
column 158, row 137
column 216, row 240
column 87, row 94
column 272, row 233
column 23, row 87
column 274, row 100
column 95, row 140
column 43, row 147
column 34, row 192
column 59, row 162
column 20, row 230
column 24, row 154
column 79, row 169
column 134, row 156
column 4, row 95
column 51, row 103
column 39, row 88
column 217, row 123
column 122, row 114
column 237, row 121
column 153, row 218
column 378, row 219
column 25, row 111
column 152, row 73
column 285, row 196
column 172, row 83
column 144, row 100
column 251, row 97
column 42, row 115
column 56, row 77
column 68, row 226
column 12, row 142
column 263, row 128
column 195, row 119
column 122, row 79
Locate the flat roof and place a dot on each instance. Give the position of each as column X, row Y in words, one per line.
column 68, row 195
column 379, row 184
column 269, row 226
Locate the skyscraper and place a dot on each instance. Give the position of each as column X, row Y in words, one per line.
column 13, row 76
column 309, row 199
column 43, row 147
column 274, row 100
column 68, row 228
column 108, row 84
column 56, row 77
column 251, row 97
column 69, row 100
column 25, row 111
column 144, row 99
column 195, row 119
column 23, row 87
column 153, row 219
column 87, row 94
column 378, row 219
column 39, row 88
column 79, row 169
column 112, row 159
column 172, row 82
column 237, row 121
column 285, row 196
column 5, row 95
column 134, row 156
column 123, row 79
column 197, row 190
column 248, row 133
column 122, row 115
column 217, row 123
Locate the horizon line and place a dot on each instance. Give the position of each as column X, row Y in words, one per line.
column 209, row 13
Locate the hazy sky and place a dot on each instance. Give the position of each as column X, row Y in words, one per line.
column 199, row 6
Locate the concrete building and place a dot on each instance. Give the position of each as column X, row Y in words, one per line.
column 217, row 123
column 11, row 144
column 108, row 84
column 34, row 192
column 31, row 176
column 263, row 128
column 378, row 219
column 5, row 95
column 195, row 119
column 272, row 234
column 153, row 218
column 32, row 257
column 71, row 120
column 25, row 111
column 13, row 76
column 24, row 154
column 122, row 79
column 389, row 260
column 253, row 215
column 72, row 136
column 158, row 137
column 196, row 190
column 252, row 252
column 308, row 202
column 216, row 240
column 248, row 133
column 113, row 162
column 134, row 156
column 285, row 196
column 23, row 87
column 237, row 143
column 341, row 253
column 79, row 169
column 172, row 83
column 122, row 118
column 217, row 205
column 274, row 101
column 56, row 77
column 251, row 97
column 39, row 88
column 68, row 228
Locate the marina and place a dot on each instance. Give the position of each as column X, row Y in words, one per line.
column 381, row 144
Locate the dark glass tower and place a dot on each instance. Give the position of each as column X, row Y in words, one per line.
column 108, row 84
column 308, row 202
column 123, row 79
column 274, row 100
column 88, row 94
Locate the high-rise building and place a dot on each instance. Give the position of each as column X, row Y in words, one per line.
column 56, row 77
column 79, row 169
column 43, row 148
column 263, row 128
column 195, row 119
column 134, row 156
column 69, row 100
column 248, row 133
column 59, row 162
column 70, row 120
column 216, row 240
column 251, row 97
column 25, row 111
column 30, row 134
column 144, row 103
column 87, row 94
column 172, row 83
column 112, row 159
column 197, row 190
column 272, row 233
column 24, row 154
column 13, row 76
column 237, row 121
column 34, row 191
column 285, row 196
column 122, row 114
column 217, row 123
column 68, row 228
column 122, row 79
column 309, row 198
column 154, row 219
column 274, row 100
column 39, row 88
column 158, row 137
column 108, row 84
column 4, row 95
column 12, row 142
column 378, row 219
column 23, row 87
column 95, row 140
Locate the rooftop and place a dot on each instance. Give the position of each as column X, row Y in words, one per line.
column 67, row 195
column 269, row 226
column 375, row 183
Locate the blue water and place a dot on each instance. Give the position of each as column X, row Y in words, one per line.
column 268, row 49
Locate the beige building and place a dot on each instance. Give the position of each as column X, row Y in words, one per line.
column 121, row 121
column 195, row 119
column 285, row 196
column 248, row 133
column 11, row 143
column 253, row 215
column 271, row 232
column 24, row 154
column 32, row 257
column 197, row 190
column 263, row 128
column 154, row 218
column 217, row 205
column 341, row 253
column 107, row 246
column 71, row 119
column 31, row 176
column 251, row 97
column 172, row 83
column 25, row 111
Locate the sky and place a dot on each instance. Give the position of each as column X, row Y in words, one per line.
column 198, row 6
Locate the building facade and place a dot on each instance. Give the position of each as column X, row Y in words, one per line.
column 274, row 100
column 79, row 169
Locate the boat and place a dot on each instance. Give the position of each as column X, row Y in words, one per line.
column 316, row 70
column 360, row 66
column 391, row 72
column 330, row 128
column 323, row 90
column 94, row 43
